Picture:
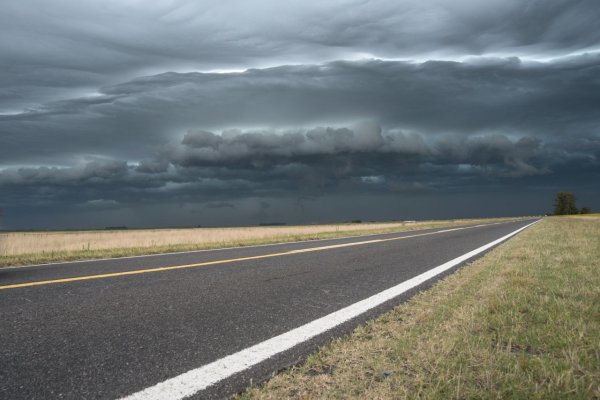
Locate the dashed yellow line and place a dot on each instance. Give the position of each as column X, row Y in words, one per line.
column 232, row 260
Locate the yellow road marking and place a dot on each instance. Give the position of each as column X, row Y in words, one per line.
column 202, row 264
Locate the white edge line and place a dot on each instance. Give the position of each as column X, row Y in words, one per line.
column 193, row 381
column 241, row 247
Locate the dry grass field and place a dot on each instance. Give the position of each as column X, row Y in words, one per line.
column 523, row 322
column 39, row 247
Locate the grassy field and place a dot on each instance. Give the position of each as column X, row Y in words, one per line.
column 522, row 323
column 19, row 248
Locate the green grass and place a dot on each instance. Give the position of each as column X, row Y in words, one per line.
column 523, row 322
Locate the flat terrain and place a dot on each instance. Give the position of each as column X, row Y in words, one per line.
column 523, row 322
column 22, row 248
column 105, row 329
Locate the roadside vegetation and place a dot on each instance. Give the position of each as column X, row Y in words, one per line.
column 523, row 322
column 565, row 204
column 22, row 248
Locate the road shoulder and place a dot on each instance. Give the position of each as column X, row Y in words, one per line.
column 521, row 322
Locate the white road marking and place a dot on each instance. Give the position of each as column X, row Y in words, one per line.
column 200, row 378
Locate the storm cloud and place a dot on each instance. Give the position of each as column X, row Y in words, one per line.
column 333, row 112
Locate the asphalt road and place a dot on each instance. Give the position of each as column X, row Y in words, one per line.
column 98, row 333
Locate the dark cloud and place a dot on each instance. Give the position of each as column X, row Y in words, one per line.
column 102, row 121
column 505, row 96
column 437, row 128
column 65, row 48
column 219, row 205
column 364, row 144
column 220, row 170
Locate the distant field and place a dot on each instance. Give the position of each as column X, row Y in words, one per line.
column 18, row 248
column 523, row 322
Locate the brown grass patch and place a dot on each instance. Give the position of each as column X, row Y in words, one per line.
column 39, row 247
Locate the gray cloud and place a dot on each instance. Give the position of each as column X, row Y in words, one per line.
column 219, row 205
column 219, row 168
column 504, row 96
column 436, row 127
column 492, row 154
column 77, row 47
column 102, row 121
column 257, row 175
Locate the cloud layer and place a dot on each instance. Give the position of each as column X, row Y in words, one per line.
column 77, row 47
column 101, row 117
column 220, row 171
column 505, row 96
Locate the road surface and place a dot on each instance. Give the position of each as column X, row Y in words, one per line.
column 160, row 326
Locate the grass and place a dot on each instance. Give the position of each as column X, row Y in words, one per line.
column 586, row 215
column 21, row 248
column 523, row 322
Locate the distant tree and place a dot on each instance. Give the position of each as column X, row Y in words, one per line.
column 585, row 210
column 565, row 204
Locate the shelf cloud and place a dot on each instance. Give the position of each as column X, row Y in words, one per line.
column 321, row 112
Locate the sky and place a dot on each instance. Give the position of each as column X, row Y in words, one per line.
column 221, row 113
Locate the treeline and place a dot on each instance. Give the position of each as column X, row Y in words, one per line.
column 565, row 204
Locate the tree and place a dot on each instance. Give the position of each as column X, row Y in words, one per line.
column 565, row 204
column 585, row 210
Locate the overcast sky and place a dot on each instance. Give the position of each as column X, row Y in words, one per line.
column 185, row 113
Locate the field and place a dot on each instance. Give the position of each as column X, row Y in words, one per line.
column 20, row 248
column 523, row 322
